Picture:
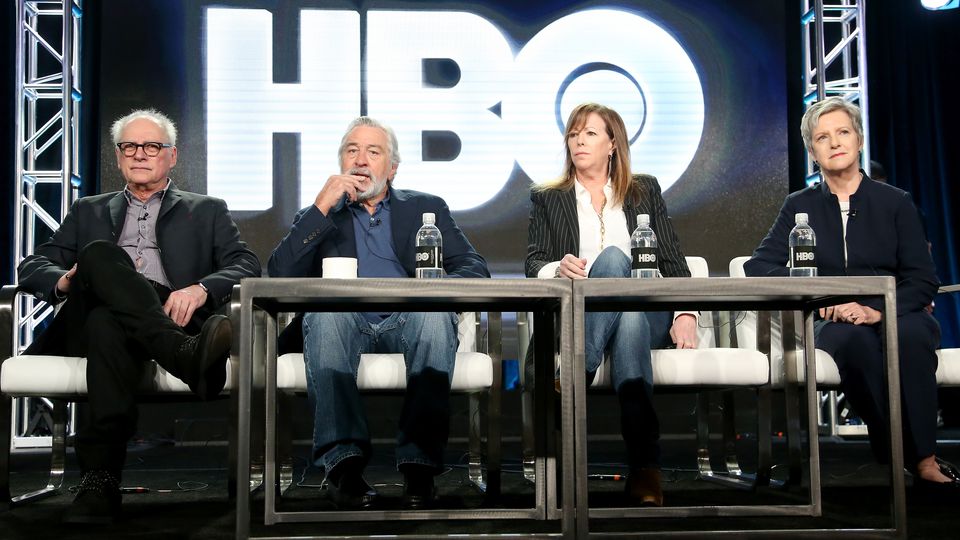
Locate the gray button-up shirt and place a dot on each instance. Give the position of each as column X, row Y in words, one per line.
column 139, row 235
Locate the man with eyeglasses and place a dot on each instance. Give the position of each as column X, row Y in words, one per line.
column 141, row 273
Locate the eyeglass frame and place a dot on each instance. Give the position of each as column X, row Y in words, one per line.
column 137, row 146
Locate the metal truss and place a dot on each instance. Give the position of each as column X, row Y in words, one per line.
column 835, row 64
column 47, row 160
column 835, row 60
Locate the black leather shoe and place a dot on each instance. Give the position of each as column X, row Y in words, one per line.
column 948, row 469
column 97, row 501
column 419, row 492
column 643, row 488
column 936, row 491
column 353, row 493
column 207, row 352
column 347, row 488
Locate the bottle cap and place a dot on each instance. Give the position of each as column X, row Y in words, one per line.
column 429, row 218
column 643, row 220
column 801, row 218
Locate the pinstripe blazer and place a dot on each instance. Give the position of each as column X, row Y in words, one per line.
column 554, row 230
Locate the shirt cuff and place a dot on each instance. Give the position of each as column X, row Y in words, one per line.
column 549, row 270
column 696, row 315
column 58, row 296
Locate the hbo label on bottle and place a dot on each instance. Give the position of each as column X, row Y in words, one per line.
column 802, row 257
column 643, row 258
column 429, row 257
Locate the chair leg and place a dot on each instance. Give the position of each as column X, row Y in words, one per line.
column 58, row 453
column 6, row 404
column 527, row 420
column 526, row 435
column 764, row 440
column 794, row 442
column 475, row 458
column 494, row 403
column 284, row 443
column 732, row 476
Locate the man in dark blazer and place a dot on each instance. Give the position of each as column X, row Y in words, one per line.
column 358, row 213
column 140, row 273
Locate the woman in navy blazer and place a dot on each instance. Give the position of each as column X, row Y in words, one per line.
column 867, row 228
column 580, row 227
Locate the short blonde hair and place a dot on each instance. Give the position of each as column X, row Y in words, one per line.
column 822, row 107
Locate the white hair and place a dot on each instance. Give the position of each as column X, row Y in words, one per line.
column 157, row 117
column 394, row 147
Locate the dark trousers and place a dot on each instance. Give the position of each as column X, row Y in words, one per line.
column 114, row 317
column 858, row 353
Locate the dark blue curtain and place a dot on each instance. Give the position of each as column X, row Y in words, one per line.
column 913, row 56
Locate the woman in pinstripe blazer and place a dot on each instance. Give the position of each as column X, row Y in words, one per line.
column 580, row 227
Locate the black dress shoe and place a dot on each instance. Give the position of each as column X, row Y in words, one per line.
column 419, row 492
column 644, row 488
column 936, row 491
column 948, row 469
column 97, row 501
column 353, row 493
column 347, row 488
column 207, row 354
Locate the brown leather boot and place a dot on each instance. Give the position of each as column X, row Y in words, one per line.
column 643, row 488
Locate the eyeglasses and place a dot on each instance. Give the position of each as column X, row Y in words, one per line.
column 151, row 149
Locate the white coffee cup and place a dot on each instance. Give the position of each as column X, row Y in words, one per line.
column 340, row 267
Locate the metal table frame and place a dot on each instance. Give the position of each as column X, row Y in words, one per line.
column 800, row 294
column 262, row 299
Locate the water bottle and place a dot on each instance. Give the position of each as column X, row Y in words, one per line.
column 429, row 249
column 803, row 261
column 643, row 250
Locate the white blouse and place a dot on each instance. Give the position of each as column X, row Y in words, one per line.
column 592, row 241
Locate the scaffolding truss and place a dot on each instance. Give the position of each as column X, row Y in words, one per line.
column 835, row 64
column 47, row 161
column 835, row 60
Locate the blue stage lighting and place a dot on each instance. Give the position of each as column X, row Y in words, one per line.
column 936, row 5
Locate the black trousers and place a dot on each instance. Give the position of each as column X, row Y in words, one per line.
column 114, row 317
column 858, row 353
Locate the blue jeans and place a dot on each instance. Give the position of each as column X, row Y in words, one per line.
column 333, row 343
column 628, row 337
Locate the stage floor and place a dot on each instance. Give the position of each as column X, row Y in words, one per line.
column 186, row 495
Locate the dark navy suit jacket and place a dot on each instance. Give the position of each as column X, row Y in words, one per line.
column 884, row 238
column 315, row 236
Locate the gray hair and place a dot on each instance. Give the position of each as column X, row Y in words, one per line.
column 157, row 117
column 824, row 106
column 394, row 148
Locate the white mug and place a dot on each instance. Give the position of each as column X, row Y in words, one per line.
column 340, row 267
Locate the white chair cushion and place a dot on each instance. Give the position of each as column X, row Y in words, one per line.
column 701, row 367
column 66, row 377
column 472, row 371
column 828, row 375
column 948, row 369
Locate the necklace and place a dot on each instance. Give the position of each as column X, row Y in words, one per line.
column 603, row 228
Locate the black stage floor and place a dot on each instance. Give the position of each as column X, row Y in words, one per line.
column 186, row 496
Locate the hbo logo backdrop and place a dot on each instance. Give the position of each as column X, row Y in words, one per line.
column 505, row 105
